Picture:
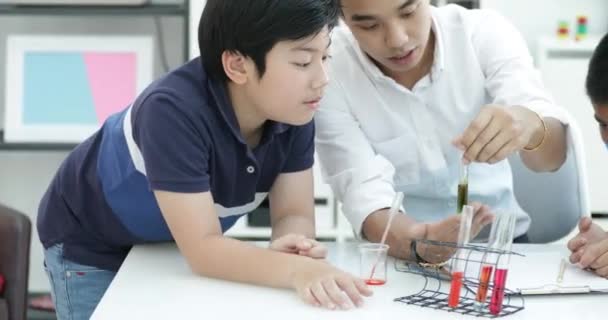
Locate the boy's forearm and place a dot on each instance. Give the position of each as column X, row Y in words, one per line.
column 297, row 224
column 233, row 260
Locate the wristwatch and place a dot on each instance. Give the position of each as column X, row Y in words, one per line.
column 414, row 256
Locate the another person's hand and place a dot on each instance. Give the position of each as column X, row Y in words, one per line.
column 588, row 232
column 594, row 257
column 447, row 231
column 499, row 131
column 320, row 284
column 590, row 247
column 299, row 244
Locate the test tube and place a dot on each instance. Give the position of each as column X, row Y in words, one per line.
column 464, row 234
column 505, row 239
column 463, row 186
column 487, row 264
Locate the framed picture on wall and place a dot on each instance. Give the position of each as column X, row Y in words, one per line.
column 60, row 89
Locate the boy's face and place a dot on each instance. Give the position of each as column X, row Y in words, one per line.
column 294, row 80
column 395, row 33
column 601, row 115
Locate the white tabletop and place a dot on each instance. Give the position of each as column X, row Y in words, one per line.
column 155, row 283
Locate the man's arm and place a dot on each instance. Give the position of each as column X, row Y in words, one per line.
column 512, row 122
column 552, row 147
column 499, row 131
column 404, row 229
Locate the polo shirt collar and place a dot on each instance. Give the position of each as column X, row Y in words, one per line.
column 219, row 92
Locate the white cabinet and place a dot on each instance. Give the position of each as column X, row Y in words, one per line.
column 563, row 65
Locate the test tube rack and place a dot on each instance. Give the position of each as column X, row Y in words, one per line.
column 436, row 289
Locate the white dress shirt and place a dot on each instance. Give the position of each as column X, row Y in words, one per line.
column 376, row 137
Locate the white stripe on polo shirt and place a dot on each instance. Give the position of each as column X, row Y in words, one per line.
column 134, row 152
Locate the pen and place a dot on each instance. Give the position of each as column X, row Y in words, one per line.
column 562, row 269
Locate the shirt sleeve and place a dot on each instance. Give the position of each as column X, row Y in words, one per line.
column 301, row 153
column 361, row 179
column 173, row 149
column 511, row 78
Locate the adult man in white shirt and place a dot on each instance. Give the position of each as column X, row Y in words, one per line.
column 412, row 88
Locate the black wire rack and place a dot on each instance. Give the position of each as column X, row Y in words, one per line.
column 475, row 259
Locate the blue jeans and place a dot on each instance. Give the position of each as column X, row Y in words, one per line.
column 76, row 288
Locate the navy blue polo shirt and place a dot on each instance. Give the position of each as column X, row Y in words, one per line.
column 179, row 135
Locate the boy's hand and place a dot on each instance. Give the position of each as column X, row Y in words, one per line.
column 321, row 284
column 299, row 244
column 499, row 131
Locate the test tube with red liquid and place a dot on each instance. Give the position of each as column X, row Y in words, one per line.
column 464, row 234
column 487, row 264
column 505, row 239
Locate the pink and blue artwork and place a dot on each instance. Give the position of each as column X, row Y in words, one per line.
column 62, row 94
column 76, row 88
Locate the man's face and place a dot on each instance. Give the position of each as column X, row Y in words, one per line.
column 601, row 115
column 394, row 33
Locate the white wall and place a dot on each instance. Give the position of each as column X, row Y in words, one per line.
column 196, row 9
column 535, row 18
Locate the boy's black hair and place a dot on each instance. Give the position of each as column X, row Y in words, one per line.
column 253, row 27
column 597, row 77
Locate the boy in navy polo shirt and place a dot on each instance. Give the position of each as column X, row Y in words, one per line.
column 198, row 149
column 590, row 246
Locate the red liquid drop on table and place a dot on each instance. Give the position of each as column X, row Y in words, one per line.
column 375, row 282
column 454, row 297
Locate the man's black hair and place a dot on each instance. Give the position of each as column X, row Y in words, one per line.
column 253, row 27
column 597, row 77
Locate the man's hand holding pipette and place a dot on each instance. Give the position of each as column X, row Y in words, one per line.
column 499, row 131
